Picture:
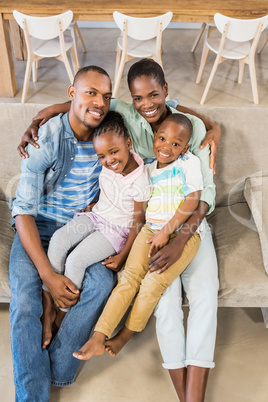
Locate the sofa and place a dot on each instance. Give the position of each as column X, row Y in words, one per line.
column 239, row 221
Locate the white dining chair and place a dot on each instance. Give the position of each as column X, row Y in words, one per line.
column 75, row 32
column 140, row 37
column 238, row 41
column 44, row 38
column 264, row 42
column 200, row 33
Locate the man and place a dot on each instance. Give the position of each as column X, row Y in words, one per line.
column 57, row 180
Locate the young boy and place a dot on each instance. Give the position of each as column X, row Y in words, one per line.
column 177, row 184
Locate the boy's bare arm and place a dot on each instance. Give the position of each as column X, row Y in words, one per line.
column 170, row 253
column 117, row 261
column 183, row 213
column 212, row 137
column 31, row 134
column 58, row 285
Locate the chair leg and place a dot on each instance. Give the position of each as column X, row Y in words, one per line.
column 199, row 35
column 213, row 71
column 252, row 73
column 26, row 79
column 117, row 61
column 64, row 59
column 241, row 71
column 80, row 37
column 261, row 47
column 74, row 59
column 34, row 70
column 119, row 75
column 203, row 61
column 73, row 34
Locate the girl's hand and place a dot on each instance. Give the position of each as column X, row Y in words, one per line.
column 158, row 241
column 212, row 138
column 114, row 262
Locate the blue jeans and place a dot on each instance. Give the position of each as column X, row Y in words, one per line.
column 35, row 369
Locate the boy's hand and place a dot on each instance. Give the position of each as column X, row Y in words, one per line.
column 114, row 262
column 64, row 293
column 88, row 207
column 212, row 138
column 158, row 241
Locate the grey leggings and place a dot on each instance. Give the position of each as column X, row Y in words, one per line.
column 76, row 246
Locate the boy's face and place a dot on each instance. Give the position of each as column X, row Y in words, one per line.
column 90, row 98
column 149, row 98
column 170, row 142
column 113, row 151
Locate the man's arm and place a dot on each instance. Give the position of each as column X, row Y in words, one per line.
column 31, row 134
column 58, row 285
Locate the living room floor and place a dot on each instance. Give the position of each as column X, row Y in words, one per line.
column 136, row 374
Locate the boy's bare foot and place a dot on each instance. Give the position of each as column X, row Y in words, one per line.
column 94, row 347
column 47, row 319
column 115, row 344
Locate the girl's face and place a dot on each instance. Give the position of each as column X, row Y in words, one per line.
column 113, row 152
column 170, row 142
column 149, row 99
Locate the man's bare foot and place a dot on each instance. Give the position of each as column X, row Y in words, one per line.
column 115, row 344
column 47, row 319
column 94, row 347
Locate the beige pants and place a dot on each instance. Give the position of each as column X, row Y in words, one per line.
column 136, row 278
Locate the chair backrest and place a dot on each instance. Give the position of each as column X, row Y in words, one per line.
column 239, row 30
column 44, row 27
column 142, row 28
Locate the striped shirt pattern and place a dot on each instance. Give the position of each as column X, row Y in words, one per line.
column 78, row 189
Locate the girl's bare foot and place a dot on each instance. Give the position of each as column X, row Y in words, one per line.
column 94, row 347
column 47, row 319
column 115, row 344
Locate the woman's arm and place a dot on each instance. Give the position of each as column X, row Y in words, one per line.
column 31, row 134
column 170, row 253
column 212, row 138
column 117, row 261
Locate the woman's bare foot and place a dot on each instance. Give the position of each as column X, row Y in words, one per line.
column 94, row 347
column 47, row 319
column 115, row 344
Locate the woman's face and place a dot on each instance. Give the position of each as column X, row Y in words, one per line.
column 149, row 99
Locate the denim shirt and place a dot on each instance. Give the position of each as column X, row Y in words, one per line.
column 46, row 167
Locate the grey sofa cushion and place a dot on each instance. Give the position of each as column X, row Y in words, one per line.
column 256, row 194
column 6, row 238
column 243, row 280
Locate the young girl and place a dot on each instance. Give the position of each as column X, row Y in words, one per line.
column 108, row 230
column 177, row 185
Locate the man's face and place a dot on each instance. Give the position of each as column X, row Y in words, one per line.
column 90, row 98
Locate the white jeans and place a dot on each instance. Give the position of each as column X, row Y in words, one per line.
column 200, row 282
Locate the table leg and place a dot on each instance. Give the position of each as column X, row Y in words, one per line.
column 8, row 84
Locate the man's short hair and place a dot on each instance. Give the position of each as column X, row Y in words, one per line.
column 113, row 121
column 84, row 70
column 147, row 67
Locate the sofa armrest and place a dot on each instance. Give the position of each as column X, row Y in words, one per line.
column 256, row 195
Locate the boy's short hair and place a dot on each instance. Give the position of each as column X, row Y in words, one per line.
column 147, row 67
column 182, row 120
column 84, row 70
column 113, row 121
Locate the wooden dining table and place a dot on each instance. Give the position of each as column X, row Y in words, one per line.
column 102, row 10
